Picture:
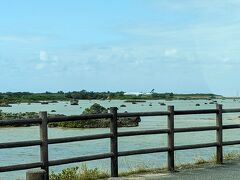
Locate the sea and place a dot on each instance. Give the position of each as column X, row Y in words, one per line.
column 75, row 149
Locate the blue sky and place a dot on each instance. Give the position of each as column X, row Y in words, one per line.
column 186, row 46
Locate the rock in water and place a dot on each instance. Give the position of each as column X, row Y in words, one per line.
column 98, row 123
column 74, row 102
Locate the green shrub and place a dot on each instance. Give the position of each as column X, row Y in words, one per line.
column 76, row 173
column 66, row 174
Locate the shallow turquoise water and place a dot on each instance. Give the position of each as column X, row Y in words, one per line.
column 31, row 154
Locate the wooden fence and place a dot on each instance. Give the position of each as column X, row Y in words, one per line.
column 113, row 115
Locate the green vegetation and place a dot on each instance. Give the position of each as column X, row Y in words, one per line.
column 6, row 116
column 98, row 123
column 28, row 97
column 22, row 115
column 84, row 173
column 77, row 173
column 11, row 116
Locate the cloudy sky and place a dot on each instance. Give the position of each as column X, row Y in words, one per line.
column 186, row 46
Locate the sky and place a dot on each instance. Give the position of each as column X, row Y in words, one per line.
column 186, row 46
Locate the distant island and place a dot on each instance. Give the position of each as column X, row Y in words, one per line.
column 28, row 97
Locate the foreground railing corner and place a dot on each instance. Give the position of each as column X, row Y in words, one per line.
column 36, row 174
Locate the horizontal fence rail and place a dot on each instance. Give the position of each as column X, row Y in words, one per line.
column 142, row 151
column 20, row 122
column 80, row 159
column 113, row 115
column 159, row 113
column 20, row 144
column 20, row 167
column 80, row 117
column 200, row 111
column 143, row 132
column 79, row 138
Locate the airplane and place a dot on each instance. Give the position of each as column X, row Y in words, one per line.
column 139, row 93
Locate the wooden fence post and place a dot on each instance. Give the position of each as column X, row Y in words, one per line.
column 114, row 142
column 44, row 139
column 171, row 138
column 219, row 135
column 36, row 174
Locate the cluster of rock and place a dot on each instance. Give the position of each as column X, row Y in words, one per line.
column 74, row 102
column 5, row 105
column 98, row 123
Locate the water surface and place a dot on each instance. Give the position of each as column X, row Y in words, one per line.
column 59, row 151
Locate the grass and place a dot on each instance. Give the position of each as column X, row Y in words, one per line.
column 231, row 155
column 83, row 173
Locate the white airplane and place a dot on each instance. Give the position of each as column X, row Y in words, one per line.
column 139, row 93
column 133, row 93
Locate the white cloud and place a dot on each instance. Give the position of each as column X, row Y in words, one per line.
column 40, row 66
column 225, row 59
column 55, row 58
column 170, row 52
column 43, row 55
column 51, row 61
